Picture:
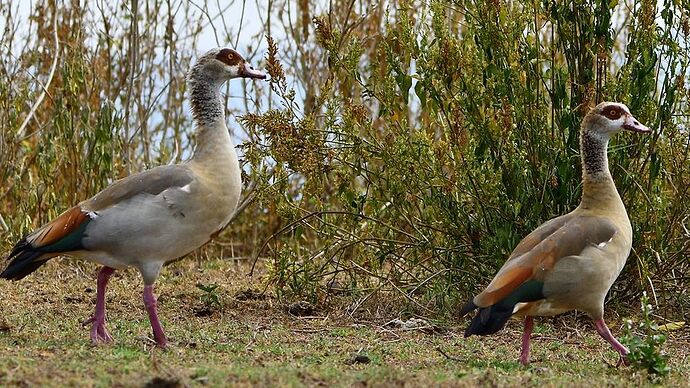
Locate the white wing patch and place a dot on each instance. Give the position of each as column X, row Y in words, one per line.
column 186, row 188
column 518, row 306
column 603, row 244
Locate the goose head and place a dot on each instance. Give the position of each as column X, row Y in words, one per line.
column 222, row 64
column 609, row 118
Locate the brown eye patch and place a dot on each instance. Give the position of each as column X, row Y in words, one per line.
column 612, row 112
column 229, row 57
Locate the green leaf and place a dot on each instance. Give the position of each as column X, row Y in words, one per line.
column 673, row 326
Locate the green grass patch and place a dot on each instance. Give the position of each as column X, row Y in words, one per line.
column 255, row 342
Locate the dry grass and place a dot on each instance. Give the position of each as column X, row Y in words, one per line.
column 254, row 341
column 115, row 106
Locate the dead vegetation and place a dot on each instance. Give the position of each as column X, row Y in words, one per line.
column 399, row 153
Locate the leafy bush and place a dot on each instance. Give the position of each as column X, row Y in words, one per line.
column 210, row 296
column 430, row 147
column 645, row 352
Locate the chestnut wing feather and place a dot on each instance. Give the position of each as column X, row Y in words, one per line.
column 152, row 182
column 568, row 239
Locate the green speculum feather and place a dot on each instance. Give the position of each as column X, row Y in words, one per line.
column 528, row 291
column 70, row 242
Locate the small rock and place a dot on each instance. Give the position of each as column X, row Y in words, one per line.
column 249, row 294
column 4, row 327
column 203, row 312
column 301, row 309
column 410, row 324
column 415, row 324
column 162, row 382
column 358, row 358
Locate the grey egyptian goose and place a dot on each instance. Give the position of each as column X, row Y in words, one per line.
column 155, row 216
column 571, row 261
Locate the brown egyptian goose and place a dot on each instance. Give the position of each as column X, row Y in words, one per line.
column 571, row 261
column 155, row 216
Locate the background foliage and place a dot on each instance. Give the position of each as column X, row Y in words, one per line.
column 400, row 146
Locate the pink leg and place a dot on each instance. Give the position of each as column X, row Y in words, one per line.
column 150, row 303
column 524, row 354
column 603, row 331
column 98, row 330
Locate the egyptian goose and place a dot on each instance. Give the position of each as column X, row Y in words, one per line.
column 571, row 261
column 155, row 216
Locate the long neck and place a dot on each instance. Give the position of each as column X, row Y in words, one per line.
column 598, row 186
column 206, row 101
column 213, row 139
column 595, row 162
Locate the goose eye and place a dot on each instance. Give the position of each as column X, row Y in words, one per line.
column 612, row 113
column 229, row 57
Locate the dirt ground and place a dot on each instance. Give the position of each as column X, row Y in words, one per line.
column 252, row 338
